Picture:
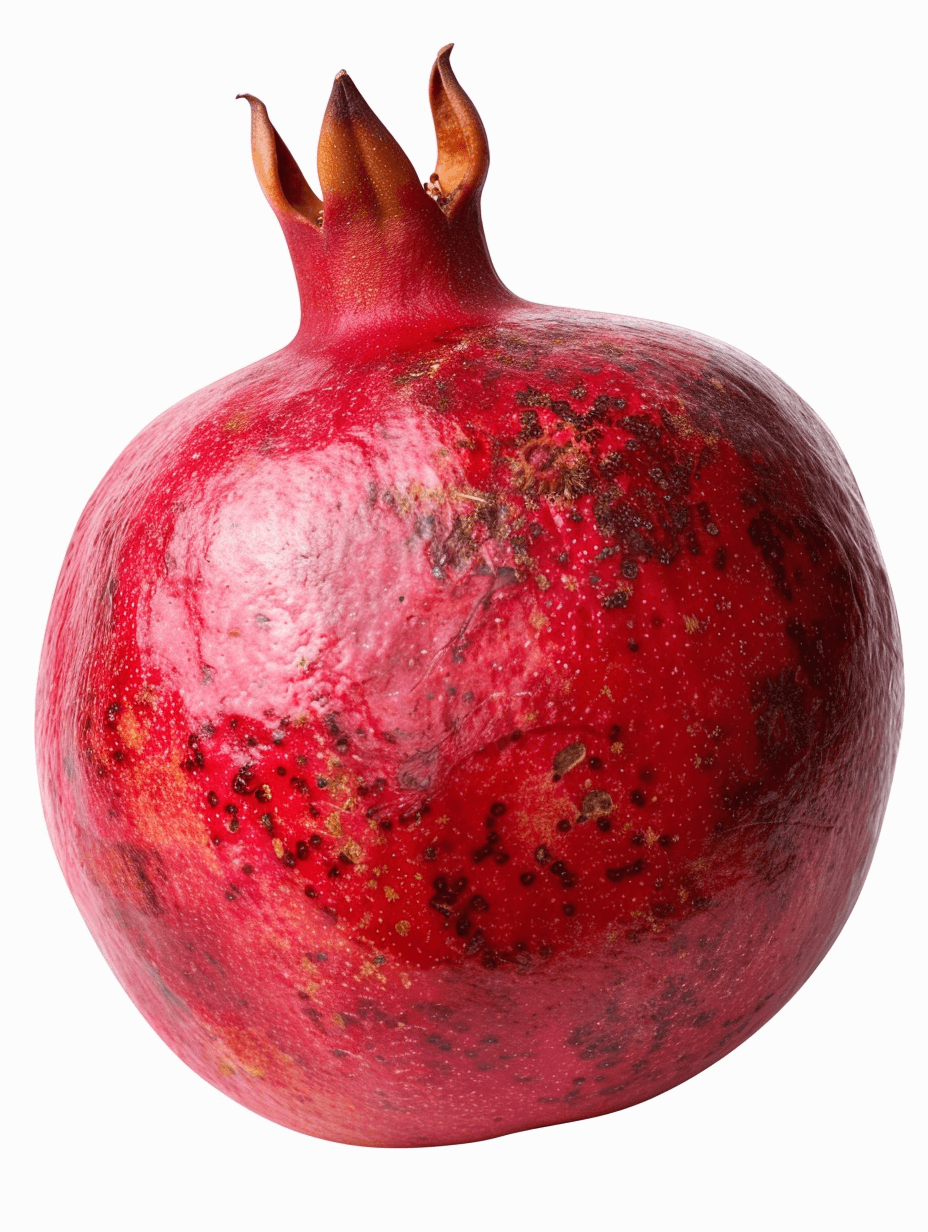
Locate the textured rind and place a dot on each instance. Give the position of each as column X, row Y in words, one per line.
column 587, row 570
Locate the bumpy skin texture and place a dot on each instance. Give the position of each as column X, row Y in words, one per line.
column 485, row 732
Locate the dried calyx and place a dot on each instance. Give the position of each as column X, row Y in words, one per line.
column 379, row 242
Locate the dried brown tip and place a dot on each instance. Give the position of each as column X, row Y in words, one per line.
column 463, row 150
column 359, row 161
column 280, row 178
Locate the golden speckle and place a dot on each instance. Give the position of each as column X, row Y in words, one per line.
column 278, row 847
column 352, row 851
column 238, row 423
column 402, row 927
column 691, row 623
column 131, row 731
column 391, row 894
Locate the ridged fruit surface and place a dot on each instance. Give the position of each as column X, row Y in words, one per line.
column 477, row 715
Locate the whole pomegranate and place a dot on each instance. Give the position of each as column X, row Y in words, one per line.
column 477, row 715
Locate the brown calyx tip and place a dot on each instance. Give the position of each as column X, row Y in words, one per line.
column 463, row 150
column 359, row 161
column 280, row 177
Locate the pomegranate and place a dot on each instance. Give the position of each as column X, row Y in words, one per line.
column 477, row 715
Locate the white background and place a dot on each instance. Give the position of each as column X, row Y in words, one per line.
column 750, row 170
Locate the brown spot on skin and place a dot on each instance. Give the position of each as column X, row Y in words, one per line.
column 569, row 757
column 596, row 804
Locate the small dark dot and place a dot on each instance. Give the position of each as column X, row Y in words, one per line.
column 637, row 839
column 637, row 797
column 542, row 855
column 563, row 825
column 656, row 621
column 665, row 840
column 430, row 853
column 478, row 903
column 281, row 770
column 527, row 878
column 459, row 884
column 248, row 869
column 212, row 799
column 595, row 763
column 288, row 859
column 614, row 733
column 494, row 837
column 632, row 645
column 629, row 569
column 386, row 825
column 322, row 782
column 646, row 774
column 568, row 881
column 440, row 884
column 502, row 857
column 233, row 825
column 463, row 926
column 515, row 735
column 316, row 840
column 216, row 840
column 604, row 824
column 558, row 868
column 334, row 871
column 481, row 853
column 569, row 909
column 230, row 896
column 263, row 793
column 497, row 809
column 302, row 850
column 309, row 892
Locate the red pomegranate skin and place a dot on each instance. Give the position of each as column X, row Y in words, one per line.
column 472, row 719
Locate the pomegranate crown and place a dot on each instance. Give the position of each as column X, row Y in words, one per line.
column 380, row 245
